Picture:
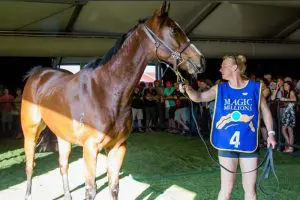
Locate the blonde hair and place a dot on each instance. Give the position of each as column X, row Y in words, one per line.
column 240, row 61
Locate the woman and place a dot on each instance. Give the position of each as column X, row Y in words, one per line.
column 278, row 92
column 288, row 116
column 150, row 100
column 170, row 106
column 16, row 113
column 6, row 116
column 235, row 124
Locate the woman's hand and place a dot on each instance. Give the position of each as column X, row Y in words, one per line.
column 271, row 142
column 183, row 88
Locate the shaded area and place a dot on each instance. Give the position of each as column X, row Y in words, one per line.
column 161, row 160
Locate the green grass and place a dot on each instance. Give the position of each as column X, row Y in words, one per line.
column 161, row 160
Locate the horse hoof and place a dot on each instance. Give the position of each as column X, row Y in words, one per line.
column 90, row 194
column 68, row 197
column 28, row 197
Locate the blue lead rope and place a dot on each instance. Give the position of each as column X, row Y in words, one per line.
column 269, row 165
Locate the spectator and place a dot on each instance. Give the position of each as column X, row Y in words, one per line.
column 16, row 114
column 137, row 108
column 268, row 77
column 160, row 107
column 170, row 106
column 288, row 116
column 278, row 92
column 182, row 113
column 150, row 100
column 204, row 118
column 7, row 108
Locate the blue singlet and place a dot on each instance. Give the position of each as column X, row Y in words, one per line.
column 236, row 118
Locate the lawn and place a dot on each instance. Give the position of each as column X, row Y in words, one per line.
column 170, row 165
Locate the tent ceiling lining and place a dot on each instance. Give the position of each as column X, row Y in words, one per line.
column 228, row 22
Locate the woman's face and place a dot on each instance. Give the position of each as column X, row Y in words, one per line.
column 280, row 82
column 227, row 68
column 168, row 84
column 176, row 86
column 286, row 87
column 273, row 85
column 19, row 92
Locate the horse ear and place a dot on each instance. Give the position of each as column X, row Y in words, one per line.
column 164, row 9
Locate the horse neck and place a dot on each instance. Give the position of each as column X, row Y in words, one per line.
column 127, row 66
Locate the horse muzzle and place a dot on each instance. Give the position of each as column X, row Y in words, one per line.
column 200, row 67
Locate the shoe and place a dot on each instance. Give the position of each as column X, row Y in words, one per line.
column 290, row 150
column 149, row 130
column 169, row 130
column 173, row 131
column 140, row 130
column 184, row 132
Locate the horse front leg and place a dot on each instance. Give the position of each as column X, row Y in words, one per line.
column 64, row 148
column 115, row 160
column 90, row 160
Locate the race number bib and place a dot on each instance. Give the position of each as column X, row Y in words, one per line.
column 236, row 118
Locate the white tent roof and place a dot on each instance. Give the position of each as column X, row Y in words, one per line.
column 268, row 29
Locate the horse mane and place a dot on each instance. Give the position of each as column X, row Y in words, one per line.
column 112, row 51
column 32, row 71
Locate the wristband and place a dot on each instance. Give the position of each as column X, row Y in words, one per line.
column 271, row 132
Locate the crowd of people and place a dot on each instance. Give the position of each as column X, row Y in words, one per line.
column 160, row 106
column 10, row 106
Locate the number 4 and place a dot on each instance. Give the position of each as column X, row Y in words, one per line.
column 235, row 139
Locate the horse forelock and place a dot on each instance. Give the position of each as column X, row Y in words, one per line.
column 98, row 62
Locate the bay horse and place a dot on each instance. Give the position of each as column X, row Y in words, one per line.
column 92, row 108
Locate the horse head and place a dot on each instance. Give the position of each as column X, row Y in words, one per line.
column 170, row 43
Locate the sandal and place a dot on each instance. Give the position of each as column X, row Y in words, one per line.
column 290, row 150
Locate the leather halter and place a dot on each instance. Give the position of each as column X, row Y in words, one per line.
column 176, row 55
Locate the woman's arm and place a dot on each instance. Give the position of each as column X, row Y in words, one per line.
column 291, row 98
column 267, row 117
column 197, row 96
column 266, row 92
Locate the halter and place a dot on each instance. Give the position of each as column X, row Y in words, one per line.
column 176, row 55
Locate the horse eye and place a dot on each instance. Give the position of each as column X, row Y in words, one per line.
column 174, row 30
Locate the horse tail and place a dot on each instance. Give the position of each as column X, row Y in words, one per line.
column 32, row 71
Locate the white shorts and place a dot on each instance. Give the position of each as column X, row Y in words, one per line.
column 182, row 114
column 137, row 113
